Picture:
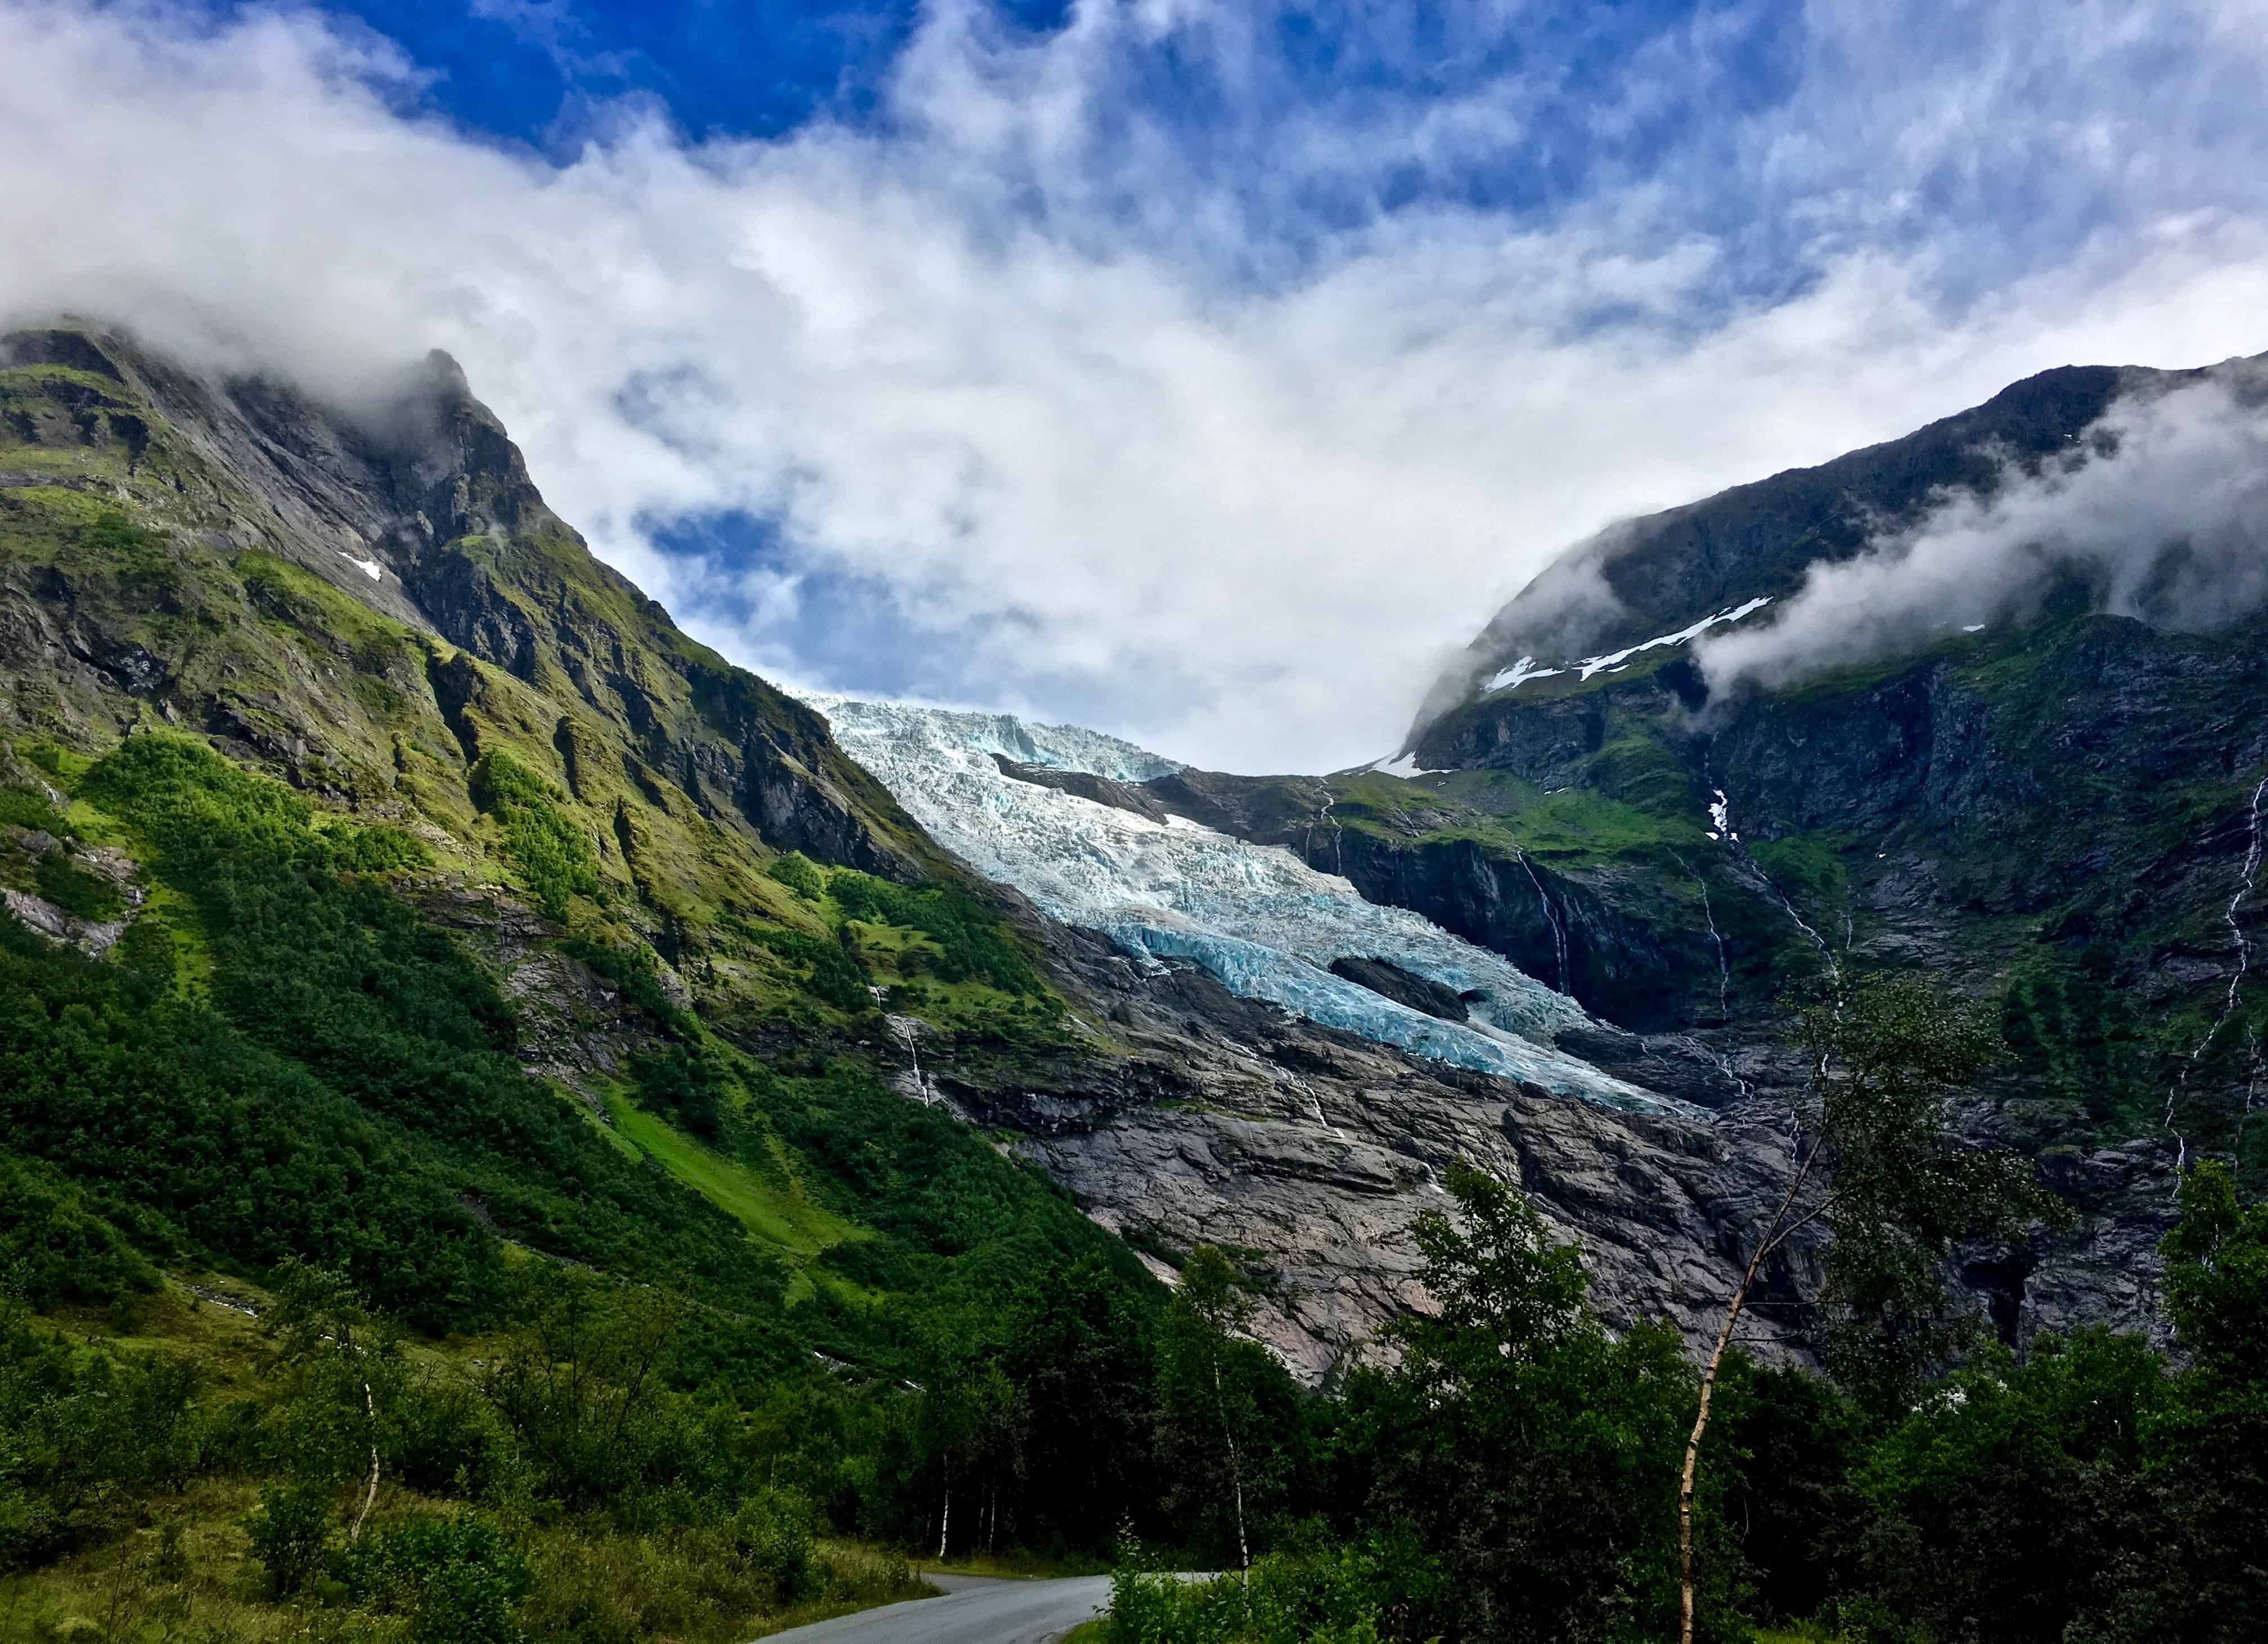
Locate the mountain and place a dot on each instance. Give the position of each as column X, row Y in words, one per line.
column 438, row 902
column 2058, row 807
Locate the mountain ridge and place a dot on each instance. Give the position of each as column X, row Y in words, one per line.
column 715, row 938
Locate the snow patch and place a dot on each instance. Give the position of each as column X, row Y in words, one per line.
column 1615, row 661
column 1517, row 673
column 369, row 568
column 1262, row 921
column 1405, row 767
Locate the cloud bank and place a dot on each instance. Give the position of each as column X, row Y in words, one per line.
column 1040, row 392
column 2160, row 511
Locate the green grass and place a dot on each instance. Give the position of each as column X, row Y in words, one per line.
column 778, row 1215
column 40, row 380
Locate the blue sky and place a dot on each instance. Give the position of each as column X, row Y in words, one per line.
column 1204, row 370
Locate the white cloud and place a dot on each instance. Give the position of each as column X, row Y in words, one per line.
column 2160, row 511
column 1119, row 428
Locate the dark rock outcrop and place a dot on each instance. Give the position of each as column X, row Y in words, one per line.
column 1384, row 976
column 1119, row 795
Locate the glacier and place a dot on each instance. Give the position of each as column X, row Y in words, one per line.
column 1259, row 919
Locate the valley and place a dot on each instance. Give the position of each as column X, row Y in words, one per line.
column 768, row 1126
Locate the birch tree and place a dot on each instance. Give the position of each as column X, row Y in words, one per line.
column 1892, row 1187
column 1208, row 1382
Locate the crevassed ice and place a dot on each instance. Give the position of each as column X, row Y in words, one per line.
column 1256, row 916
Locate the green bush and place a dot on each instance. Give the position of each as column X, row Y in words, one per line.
column 457, row 1577
column 55, row 1248
column 553, row 854
column 21, row 808
column 1333, row 1598
column 291, row 1533
column 78, row 892
column 836, row 977
column 800, row 875
column 81, row 1430
column 972, row 942
column 776, row 1532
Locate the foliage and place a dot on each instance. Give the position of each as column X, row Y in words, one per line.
column 1343, row 1595
column 20, row 808
column 456, row 1576
column 552, row 851
column 81, row 1430
column 836, row 975
column 349, row 1083
column 1900, row 1185
column 1228, row 1432
column 972, row 944
column 2217, row 1277
column 1534, row 1454
column 78, row 892
column 55, row 1248
column 800, row 875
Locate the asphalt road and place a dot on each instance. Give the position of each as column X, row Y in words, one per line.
column 973, row 1610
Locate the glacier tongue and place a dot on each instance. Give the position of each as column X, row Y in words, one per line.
column 1262, row 921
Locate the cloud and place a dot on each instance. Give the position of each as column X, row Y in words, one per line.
column 2159, row 511
column 1134, row 372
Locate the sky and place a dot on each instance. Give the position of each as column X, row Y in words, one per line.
column 1204, row 373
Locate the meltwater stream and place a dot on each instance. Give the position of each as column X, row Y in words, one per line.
column 1256, row 916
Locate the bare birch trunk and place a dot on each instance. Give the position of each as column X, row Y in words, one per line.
column 370, row 1496
column 1772, row 1236
column 1235, row 1468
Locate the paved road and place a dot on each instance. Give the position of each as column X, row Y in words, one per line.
column 974, row 1610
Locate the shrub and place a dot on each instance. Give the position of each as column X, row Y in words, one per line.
column 798, row 873
column 972, row 944
column 21, row 808
column 78, row 892
column 289, row 1534
column 458, row 1578
column 55, row 1247
column 553, row 855
column 776, row 1533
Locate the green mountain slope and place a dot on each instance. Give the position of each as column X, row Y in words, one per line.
column 398, row 889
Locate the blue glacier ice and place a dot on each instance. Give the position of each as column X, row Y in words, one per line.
column 1257, row 918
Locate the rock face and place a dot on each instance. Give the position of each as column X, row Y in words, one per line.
column 422, row 513
column 1124, row 796
column 1308, row 1152
column 1421, row 993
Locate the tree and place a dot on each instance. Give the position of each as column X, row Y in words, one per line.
column 340, row 1359
column 1532, row 1450
column 1208, row 1382
column 1880, row 1168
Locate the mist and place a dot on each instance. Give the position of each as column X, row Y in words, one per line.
column 2159, row 511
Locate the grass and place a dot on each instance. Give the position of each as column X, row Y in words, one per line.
column 1017, row 1565
column 779, row 1216
column 776, row 1215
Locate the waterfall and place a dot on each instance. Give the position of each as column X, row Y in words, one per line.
column 1550, row 917
column 2243, row 945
